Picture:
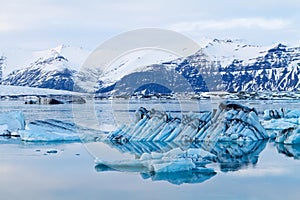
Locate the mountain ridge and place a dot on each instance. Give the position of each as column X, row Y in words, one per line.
column 221, row 65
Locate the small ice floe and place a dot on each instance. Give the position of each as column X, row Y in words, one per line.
column 52, row 151
column 11, row 123
column 231, row 122
column 283, row 124
column 289, row 135
column 281, row 113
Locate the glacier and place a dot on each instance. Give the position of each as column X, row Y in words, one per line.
column 230, row 122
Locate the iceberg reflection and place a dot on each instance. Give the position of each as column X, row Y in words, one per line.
column 180, row 163
column 289, row 150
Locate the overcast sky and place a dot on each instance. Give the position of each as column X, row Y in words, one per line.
column 41, row 24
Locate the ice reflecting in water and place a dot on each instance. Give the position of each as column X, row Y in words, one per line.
column 234, row 156
column 222, row 170
column 289, row 150
column 207, row 159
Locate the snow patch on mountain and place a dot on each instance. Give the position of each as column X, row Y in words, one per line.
column 228, row 50
column 21, row 58
column 52, row 69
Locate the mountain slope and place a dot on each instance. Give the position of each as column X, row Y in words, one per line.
column 277, row 70
column 51, row 70
column 220, row 66
column 52, row 73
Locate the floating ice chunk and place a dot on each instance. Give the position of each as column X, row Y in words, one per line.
column 289, row 136
column 274, row 114
column 281, row 113
column 280, row 124
column 11, row 122
column 178, row 165
column 175, row 160
column 173, row 153
column 4, row 130
column 49, row 131
column 155, row 155
column 285, row 124
column 233, row 122
column 184, row 164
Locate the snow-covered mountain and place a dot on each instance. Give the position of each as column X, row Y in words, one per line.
column 221, row 65
column 54, row 69
column 276, row 69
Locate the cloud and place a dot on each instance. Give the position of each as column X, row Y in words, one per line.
column 35, row 23
column 244, row 23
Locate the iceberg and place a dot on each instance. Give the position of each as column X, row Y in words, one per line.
column 289, row 150
column 284, row 125
column 52, row 130
column 170, row 165
column 281, row 113
column 231, row 122
column 11, row 123
column 289, row 135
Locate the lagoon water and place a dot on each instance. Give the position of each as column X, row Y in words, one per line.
column 68, row 171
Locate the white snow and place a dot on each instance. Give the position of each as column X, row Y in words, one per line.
column 228, row 50
column 6, row 90
column 75, row 55
column 21, row 58
column 133, row 61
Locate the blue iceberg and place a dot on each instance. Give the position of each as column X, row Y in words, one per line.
column 231, row 122
column 11, row 123
column 52, row 130
column 284, row 125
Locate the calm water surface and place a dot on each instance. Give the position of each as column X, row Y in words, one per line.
column 68, row 170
